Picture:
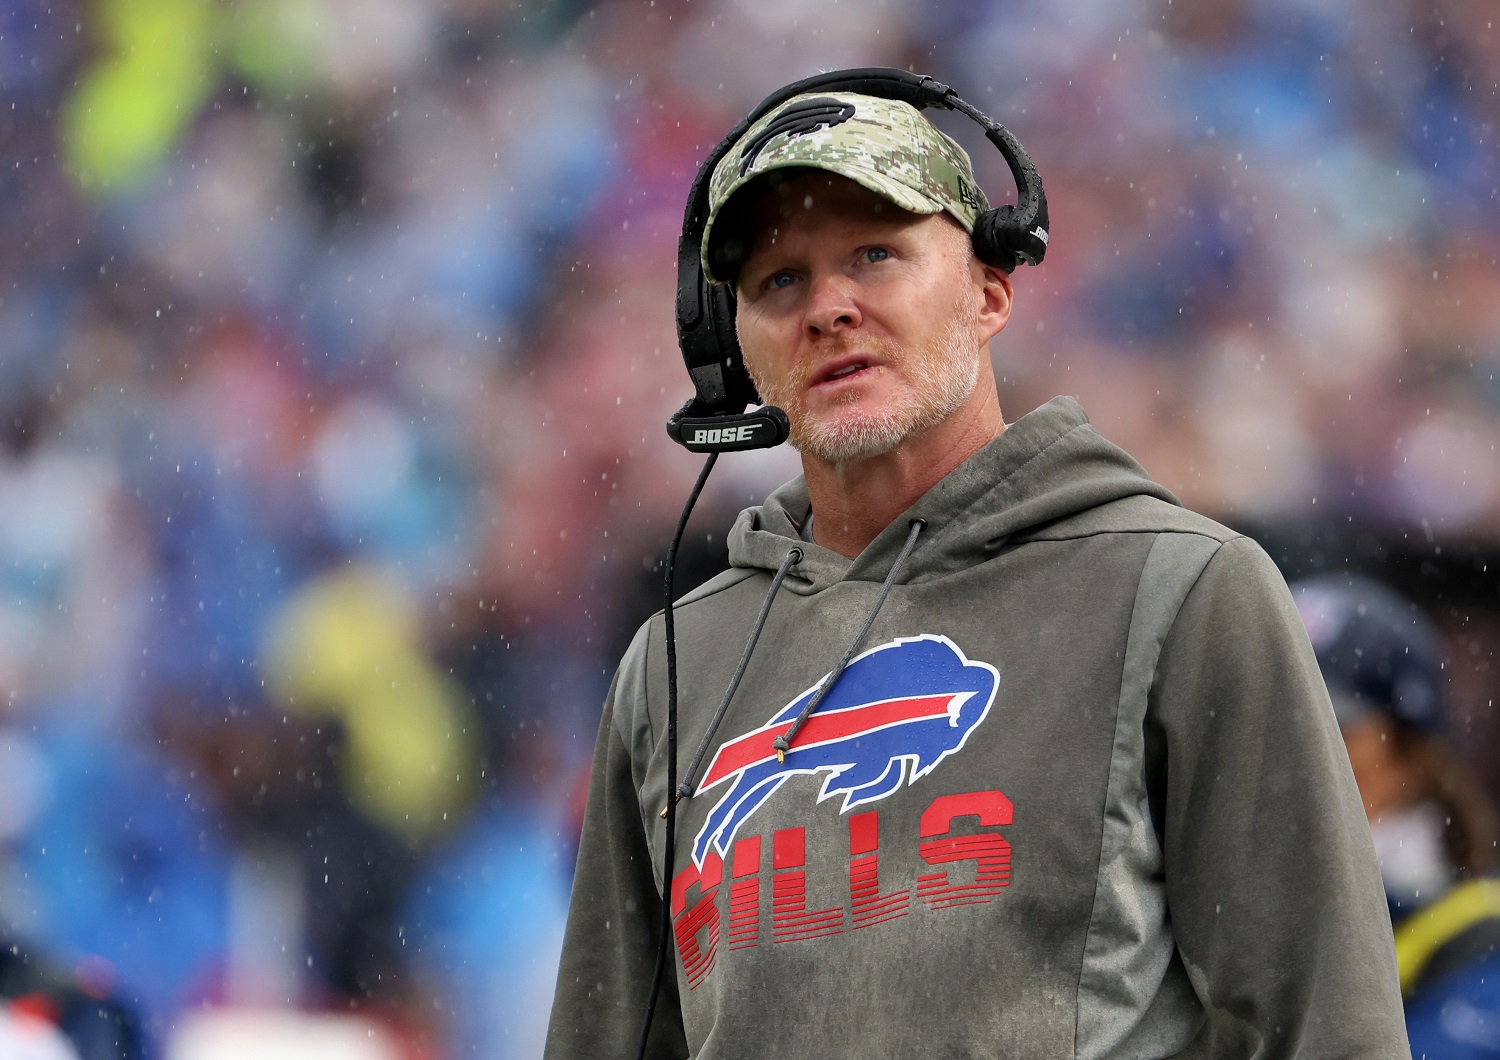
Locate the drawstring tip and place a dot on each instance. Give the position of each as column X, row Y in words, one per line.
column 780, row 757
column 675, row 799
column 782, row 747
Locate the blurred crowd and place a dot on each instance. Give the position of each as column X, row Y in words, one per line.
column 335, row 347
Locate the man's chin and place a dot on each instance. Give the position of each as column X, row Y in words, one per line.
column 848, row 438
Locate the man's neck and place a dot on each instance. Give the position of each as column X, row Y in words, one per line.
column 854, row 502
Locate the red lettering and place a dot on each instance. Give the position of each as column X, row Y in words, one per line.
column 990, row 852
column 697, row 959
column 697, row 926
column 867, row 906
column 790, row 920
column 744, row 895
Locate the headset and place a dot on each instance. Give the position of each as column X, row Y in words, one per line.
column 714, row 419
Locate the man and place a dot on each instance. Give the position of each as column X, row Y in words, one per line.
column 1435, row 829
column 1026, row 760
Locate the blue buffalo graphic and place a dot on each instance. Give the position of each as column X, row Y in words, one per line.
column 896, row 712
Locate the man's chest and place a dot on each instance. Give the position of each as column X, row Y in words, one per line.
column 949, row 788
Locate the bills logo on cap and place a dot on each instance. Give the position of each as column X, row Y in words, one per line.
column 799, row 119
column 897, row 711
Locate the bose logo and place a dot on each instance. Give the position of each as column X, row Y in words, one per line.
column 756, row 430
column 720, row 435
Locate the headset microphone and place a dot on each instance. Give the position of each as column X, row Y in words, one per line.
column 714, row 420
column 724, row 433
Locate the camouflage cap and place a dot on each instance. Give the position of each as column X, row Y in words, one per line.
column 883, row 144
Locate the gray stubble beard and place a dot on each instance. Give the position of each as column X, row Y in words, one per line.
column 955, row 364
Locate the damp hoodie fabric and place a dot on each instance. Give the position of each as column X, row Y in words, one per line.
column 1079, row 793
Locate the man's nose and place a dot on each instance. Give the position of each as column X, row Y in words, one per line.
column 831, row 305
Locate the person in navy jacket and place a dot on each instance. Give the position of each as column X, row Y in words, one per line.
column 1434, row 827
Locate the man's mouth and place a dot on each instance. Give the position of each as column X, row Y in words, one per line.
column 842, row 369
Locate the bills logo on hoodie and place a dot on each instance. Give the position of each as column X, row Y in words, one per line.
column 897, row 711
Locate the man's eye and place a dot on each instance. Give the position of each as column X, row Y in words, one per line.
column 877, row 254
column 781, row 279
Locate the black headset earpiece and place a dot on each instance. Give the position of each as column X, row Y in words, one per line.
column 1010, row 235
column 713, row 420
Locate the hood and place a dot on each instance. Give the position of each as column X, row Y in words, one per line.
column 1045, row 467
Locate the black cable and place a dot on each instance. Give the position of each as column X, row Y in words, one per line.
column 670, row 813
column 685, row 789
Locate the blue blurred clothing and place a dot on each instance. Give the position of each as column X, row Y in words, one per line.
column 127, row 863
column 1449, row 973
column 486, row 917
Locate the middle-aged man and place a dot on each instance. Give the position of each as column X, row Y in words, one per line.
column 1070, row 784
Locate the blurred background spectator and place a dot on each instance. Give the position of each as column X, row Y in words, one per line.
column 335, row 347
column 1435, row 829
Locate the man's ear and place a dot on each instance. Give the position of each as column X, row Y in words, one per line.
column 995, row 286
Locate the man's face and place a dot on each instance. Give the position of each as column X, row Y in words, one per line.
column 859, row 319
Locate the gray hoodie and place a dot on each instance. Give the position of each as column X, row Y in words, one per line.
column 1079, row 793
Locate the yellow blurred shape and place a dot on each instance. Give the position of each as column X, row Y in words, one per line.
column 129, row 109
column 349, row 646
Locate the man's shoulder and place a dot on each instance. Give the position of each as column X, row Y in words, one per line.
column 643, row 661
column 652, row 628
column 1136, row 514
column 725, row 579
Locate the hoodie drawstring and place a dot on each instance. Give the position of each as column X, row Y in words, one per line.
column 783, row 743
column 685, row 789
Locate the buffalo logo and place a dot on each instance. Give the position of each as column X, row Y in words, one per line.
column 895, row 713
column 810, row 115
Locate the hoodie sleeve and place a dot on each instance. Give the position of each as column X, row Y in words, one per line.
column 609, row 949
column 1272, row 884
